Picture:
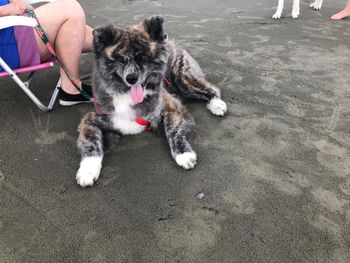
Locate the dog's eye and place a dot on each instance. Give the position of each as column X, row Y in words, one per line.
column 138, row 55
column 121, row 58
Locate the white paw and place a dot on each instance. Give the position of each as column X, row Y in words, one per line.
column 277, row 15
column 187, row 160
column 295, row 14
column 316, row 5
column 89, row 171
column 217, row 106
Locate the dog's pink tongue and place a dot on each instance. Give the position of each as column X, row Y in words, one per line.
column 137, row 94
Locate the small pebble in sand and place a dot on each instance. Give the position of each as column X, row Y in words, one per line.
column 200, row 196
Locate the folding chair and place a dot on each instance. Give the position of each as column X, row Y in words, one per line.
column 9, row 21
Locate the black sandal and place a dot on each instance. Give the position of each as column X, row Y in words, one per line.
column 67, row 99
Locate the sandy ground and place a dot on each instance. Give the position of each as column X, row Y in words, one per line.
column 275, row 171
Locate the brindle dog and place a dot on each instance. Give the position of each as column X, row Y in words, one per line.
column 136, row 72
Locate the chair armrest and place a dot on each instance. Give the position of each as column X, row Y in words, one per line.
column 32, row 2
column 8, row 21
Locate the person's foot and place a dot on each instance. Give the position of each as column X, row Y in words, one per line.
column 342, row 14
column 67, row 99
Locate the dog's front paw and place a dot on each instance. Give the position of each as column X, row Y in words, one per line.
column 187, row 160
column 295, row 14
column 89, row 171
column 277, row 15
column 217, row 106
column 316, row 5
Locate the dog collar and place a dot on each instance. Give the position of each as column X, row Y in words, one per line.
column 143, row 122
column 138, row 119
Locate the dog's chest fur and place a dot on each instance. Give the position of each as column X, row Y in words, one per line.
column 124, row 114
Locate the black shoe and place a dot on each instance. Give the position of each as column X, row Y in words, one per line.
column 67, row 99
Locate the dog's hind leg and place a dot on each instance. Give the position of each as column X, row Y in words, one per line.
column 90, row 144
column 177, row 123
column 191, row 83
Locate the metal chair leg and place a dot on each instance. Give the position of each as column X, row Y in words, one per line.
column 26, row 89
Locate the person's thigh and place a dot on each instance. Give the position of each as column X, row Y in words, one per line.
column 51, row 17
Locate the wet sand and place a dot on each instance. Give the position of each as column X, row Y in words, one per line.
column 275, row 172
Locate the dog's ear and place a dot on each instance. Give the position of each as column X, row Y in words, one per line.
column 154, row 28
column 104, row 36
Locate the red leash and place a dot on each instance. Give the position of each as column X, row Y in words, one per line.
column 166, row 82
column 41, row 33
column 97, row 109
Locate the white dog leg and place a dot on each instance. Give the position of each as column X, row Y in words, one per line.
column 217, row 106
column 317, row 4
column 279, row 10
column 296, row 8
column 89, row 170
column 186, row 160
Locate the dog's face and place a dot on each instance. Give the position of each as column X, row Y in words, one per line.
column 132, row 56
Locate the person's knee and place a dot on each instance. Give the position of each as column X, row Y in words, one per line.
column 73, row 9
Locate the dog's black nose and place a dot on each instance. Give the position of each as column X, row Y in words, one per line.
column 132, row 78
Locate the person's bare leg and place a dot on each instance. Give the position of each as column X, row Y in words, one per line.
column 344, row 13
column 65, row 25
column 88, row 43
